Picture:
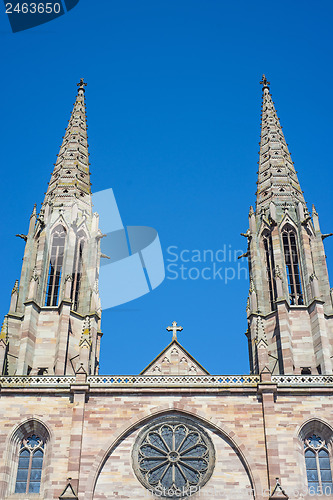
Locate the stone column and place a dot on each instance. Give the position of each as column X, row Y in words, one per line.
column 79, row 390
column 286, row 354
column 267, row 392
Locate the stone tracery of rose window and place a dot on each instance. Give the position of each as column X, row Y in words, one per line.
column 174, row 457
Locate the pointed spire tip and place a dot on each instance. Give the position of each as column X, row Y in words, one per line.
column 264, row 82
column 81, row 84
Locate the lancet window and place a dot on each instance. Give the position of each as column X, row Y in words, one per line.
column 77, row 271
column 55, row 267
column 318, row 466
column 30, row 464
column 292, row 266
column 270, row 269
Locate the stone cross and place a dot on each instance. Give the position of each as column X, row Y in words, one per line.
column 174, row 329
column 81, row 84
column 264, row 82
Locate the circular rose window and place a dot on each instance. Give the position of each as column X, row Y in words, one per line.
column 173, row 457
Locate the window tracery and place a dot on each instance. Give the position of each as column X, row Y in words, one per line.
column 30, row 465
column 270, row 267
column 292, row 266
column 55, row 267
column 173, row 457
column 318, row 466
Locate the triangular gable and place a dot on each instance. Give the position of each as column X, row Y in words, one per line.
column 278, row 493
column 174, row 360
column 68, row 493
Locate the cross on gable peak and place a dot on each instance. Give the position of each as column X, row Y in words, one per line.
column 174, row 329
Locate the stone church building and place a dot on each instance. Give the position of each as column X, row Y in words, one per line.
column 174, row 430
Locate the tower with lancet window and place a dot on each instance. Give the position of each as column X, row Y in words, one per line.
column 290, row 315
column 53, row 323
column 174, row 430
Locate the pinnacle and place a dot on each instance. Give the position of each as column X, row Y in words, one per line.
column 86, row 335
column 15, row 287
column 260, row 330
column 4, row 330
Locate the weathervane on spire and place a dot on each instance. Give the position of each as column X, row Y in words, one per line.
column 81, row 84
column 174, row 329
column 264, row 82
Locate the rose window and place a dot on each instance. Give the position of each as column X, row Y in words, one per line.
column 173, row 457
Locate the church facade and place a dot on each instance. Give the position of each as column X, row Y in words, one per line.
column 174, row 430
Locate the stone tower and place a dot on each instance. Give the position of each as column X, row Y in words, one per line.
column 53, row 324
column 290, row 315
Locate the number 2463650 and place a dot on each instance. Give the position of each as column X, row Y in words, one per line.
column 33, row 8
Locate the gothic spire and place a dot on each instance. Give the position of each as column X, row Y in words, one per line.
column 70, row 180
column 277, row 178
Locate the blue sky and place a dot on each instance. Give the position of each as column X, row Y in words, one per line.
column 173, row 105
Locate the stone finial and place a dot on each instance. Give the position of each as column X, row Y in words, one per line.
column 264, row 82
column 174, row 329
column 81, row 84
column 69, row 492
column 14, row 296
column 252, row 288
column 15, row 287
column 253, row 296
column 260, row 331
column 85, row 340
column 4, row 331
column 278, row 493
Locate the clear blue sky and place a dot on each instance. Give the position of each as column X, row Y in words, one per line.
column 173, row 104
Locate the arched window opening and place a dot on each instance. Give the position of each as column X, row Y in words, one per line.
column 292, row 266
column 55, row 267
column 30, row 464
column 77, row 271
column 270, row 267
column 318, row 467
